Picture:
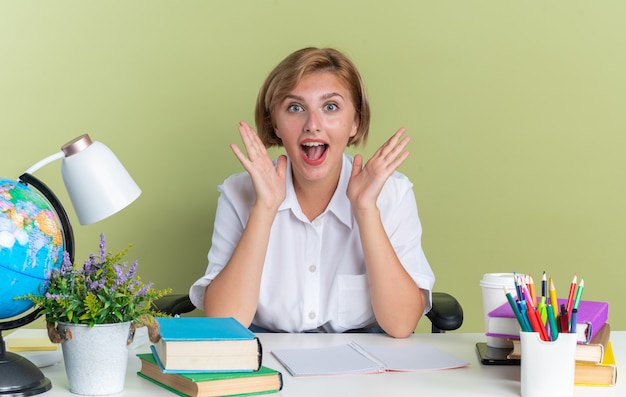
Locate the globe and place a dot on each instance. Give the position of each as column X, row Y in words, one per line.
column 31, row 245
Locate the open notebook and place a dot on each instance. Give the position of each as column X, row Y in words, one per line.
column 355, row 358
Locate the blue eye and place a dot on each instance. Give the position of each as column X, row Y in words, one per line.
column 331, row 107
column 295, row 108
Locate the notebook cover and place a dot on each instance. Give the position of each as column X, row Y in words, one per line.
column 202, row 328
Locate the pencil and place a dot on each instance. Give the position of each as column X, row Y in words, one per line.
column 531, row 289
column 553, row 300
column 570, row 297
column 579, row 293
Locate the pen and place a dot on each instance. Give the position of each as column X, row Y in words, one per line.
column 579, row 293
column 552, row 292
column 554, row 330
column 570, row 297
column 518, row 315
column 572, row 326
column 522, row 309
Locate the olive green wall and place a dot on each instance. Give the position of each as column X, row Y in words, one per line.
column 517, row 110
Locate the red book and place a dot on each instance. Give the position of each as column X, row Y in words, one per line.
column 592, row 315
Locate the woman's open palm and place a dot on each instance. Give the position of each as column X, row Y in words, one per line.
column 268, row 179
column 366, row 182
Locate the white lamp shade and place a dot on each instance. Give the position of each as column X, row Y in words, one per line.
column 96, row 181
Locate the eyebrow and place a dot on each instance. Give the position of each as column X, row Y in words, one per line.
column 325, row 96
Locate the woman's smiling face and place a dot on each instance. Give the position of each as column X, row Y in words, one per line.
column 315, row 120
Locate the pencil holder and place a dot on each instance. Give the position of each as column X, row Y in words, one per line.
column 547, row 367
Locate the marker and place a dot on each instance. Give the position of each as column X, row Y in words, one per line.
column 522, row 309
column 572, row 326
column 554, row 329
column 535, row 322
column 570, row 297
column 563, row 320
column 541, row 307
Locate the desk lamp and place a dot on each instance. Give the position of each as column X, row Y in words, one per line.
column 98, row 186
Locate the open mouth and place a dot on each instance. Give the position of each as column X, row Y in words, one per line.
column 314, row 151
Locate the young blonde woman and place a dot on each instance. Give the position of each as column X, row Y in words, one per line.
column 316, row 240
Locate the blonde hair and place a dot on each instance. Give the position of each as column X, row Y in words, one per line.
column 288, row 73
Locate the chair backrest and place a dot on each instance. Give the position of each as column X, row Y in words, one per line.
column 446, row 313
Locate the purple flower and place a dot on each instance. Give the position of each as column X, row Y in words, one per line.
column 144, row 290
column 103, row 248
column 55, row 297
column 132, row 270
column 88, row 266
column 67, row 266
column 95, row 285
column 120, row 275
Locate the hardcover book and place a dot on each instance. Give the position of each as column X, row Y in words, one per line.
column 265, row 380
column 592, row 315
column 196, row 344
column 592, row 352
column 601, row 374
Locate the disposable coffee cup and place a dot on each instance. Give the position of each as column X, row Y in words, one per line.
column 547, row 367
column 492, row 285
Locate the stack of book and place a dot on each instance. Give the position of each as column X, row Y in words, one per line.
column 595, row 363
column 200, row 356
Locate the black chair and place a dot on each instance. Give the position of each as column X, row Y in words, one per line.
column 445, row 315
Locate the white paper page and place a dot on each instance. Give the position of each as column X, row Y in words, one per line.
column 335, row 360
column 413, row 358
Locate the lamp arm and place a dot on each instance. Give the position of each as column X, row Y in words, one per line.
column 68, row 233
column 44, row 162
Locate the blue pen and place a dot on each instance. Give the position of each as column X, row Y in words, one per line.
column 572, row 325
column 523, row 312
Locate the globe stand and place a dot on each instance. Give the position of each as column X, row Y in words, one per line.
column 19, row 376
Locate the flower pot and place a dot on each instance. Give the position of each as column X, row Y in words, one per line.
column 96, row 358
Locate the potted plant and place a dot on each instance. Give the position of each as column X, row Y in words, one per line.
column 93, row 311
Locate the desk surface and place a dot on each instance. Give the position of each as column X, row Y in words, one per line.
column 475, row 380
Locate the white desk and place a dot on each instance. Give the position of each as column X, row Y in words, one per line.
column 475, row 380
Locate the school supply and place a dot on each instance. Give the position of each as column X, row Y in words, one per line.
column 593, row 352
column 203, row 344
column 592, row 315
column 265, row 380
column 356, row 358
column 601, row 374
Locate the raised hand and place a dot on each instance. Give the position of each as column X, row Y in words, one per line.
column 268, row 180
column 367, row 181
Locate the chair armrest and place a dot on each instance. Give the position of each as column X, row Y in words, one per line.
column 174, row 304
column 446, row 313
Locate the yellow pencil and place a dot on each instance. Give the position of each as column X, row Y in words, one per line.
column 552, row 292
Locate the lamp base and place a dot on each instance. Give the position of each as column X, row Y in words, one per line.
column 19, row 377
